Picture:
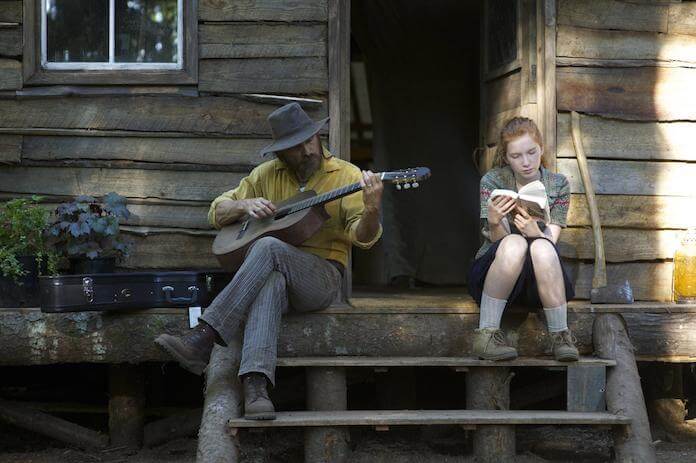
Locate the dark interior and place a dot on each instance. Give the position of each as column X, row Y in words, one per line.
column 415, row 102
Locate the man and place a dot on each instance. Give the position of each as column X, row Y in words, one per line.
column 276, row 276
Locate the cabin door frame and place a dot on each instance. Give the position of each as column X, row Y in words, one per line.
column 524, row 84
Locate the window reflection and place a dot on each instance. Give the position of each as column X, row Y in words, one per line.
column 77, row 30
column 146, row 31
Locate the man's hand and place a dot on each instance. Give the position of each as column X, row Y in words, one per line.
column 372, row 187
column 259, row 208
column 526, row 224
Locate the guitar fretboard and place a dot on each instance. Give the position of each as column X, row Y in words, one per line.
column 320, row 199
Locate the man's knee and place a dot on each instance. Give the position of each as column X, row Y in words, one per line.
column 267, row 244
column 512, row 249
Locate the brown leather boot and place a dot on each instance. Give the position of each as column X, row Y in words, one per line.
column 191, row 350
column 257, row 405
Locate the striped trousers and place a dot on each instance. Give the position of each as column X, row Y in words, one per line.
column 274, row 278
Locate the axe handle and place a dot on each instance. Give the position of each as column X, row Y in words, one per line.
column 599, row 279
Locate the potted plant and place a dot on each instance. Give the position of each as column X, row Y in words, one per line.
column 87, row 233
column 24, row 251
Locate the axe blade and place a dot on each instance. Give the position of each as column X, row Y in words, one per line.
column 612, row 294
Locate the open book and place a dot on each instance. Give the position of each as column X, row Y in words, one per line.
column 532, row 198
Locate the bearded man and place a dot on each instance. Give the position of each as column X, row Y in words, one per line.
column 276, row 277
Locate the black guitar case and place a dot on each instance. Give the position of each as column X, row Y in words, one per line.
column 128, row 291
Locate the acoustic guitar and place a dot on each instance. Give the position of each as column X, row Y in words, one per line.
column 296, row 219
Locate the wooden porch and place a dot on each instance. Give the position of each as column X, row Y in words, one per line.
column 432, row 322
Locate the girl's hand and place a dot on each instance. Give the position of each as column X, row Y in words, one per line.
column 499, row 207
column 526, row 224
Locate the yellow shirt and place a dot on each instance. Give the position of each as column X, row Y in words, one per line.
column 273, row 181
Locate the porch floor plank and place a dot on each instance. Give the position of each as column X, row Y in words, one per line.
column 429, row 417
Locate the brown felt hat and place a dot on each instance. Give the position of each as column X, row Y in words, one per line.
column 291, row 126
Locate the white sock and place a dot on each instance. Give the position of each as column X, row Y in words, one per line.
column 557, row 318
column 491, row 311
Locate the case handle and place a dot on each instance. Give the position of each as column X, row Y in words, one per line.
column 168, row 290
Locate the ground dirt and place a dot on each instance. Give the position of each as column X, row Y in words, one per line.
column 444, row 445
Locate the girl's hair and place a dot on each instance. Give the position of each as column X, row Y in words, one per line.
column 514, row 128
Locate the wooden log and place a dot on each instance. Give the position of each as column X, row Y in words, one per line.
column 222, row 115
column 613, row 14
column 622, row 245
column 11, row 11
column 264, row 75
column 93, row 337
column 242, row 152
column 668, row 416
column 625, row 211
column 682, row 18
column 126, row 406
column 172, row 427
column 326, row 390
column 10, row 149
column 624, row 393
column 109, row 90
column 488, row 388
column 621, row 63
column 645, row 93
column 223, row 398
column 580, row 42
column 261, row 40
column 27, row 418
column 615, row 139
column 633, row 177
column 170, row 251
column 262, row 10
column 651, row 281
column 10, row 74
column 133, row 183
column 11, row 41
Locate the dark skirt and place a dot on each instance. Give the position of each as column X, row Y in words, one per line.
column 525, row 292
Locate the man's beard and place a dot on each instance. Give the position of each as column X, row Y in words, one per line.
column 306, row 168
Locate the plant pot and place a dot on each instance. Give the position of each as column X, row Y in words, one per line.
column 82, row 265
column 23, row 292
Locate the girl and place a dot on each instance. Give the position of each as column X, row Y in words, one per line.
column 519, row 261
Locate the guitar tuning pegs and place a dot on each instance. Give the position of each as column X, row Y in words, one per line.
column 407, row 186
column 398, row 186
column 415, row 185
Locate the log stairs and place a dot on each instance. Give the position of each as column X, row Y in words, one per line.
column 487, row 398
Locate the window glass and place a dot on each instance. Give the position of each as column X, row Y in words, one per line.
column 77, row 31
column 146, row 31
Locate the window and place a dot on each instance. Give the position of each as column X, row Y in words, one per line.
column 111, row 42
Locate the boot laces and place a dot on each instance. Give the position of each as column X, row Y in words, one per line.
column 564, row 338
column 498, row 338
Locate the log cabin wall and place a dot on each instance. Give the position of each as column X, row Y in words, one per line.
column 169, row 149
column 629, row 67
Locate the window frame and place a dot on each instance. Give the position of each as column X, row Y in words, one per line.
column 113, row 73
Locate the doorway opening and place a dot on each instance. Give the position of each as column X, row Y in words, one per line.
column 415, row 80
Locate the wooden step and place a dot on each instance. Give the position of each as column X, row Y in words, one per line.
column 353, row 361
column 429, row 417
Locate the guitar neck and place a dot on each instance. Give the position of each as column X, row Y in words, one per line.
column 320, row 199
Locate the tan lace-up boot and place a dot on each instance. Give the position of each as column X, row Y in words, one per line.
column 490, row 344
column 563, row 345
